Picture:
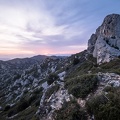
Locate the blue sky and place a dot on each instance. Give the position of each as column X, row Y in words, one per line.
column 31, row 27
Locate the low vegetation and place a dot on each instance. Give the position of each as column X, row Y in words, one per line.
column 81, row 86
column 105, row 107
column 112, row 66
column 23, row 106
column 71, row 111
column 76, row 61
column 51, row 78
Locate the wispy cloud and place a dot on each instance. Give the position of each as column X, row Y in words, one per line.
column 30, row 27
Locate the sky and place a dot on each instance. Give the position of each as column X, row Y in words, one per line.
column 50, row 27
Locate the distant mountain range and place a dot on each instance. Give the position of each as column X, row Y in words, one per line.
column 36, row 56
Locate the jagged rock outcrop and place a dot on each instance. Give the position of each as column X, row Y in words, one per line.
column 23, row 82
column 105, row 43
column 54, row 102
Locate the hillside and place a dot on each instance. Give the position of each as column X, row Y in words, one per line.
column 84, row 86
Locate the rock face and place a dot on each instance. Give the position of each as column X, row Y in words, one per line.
column 109, row 79
column 105, row 43
column 54, row 102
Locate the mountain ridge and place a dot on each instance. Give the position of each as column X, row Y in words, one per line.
column 83, row 86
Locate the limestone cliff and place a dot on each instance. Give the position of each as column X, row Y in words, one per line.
column 105, row 43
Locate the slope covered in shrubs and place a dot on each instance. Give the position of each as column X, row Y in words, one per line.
column 105, row 107
column 81, row 86
column 71, row 111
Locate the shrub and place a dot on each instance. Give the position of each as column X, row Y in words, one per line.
column 38, row 90
column 76, row 61
column 7, row 107
column 93, row 104
column 109, row 89
column 37, row 103
column 22, row 105
column 11, row 113
column 113, row 37
column 32, row 99
column 107, row 41
column 116, row 47
column 105, row 107
column 71, row 111
column 112, row 66
column 17, row 76
column 81, row 86
column 51, row 78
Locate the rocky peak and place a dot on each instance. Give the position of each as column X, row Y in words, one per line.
column 111, row 26
column 105, row 43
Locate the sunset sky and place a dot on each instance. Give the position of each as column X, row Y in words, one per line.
column 50, row 27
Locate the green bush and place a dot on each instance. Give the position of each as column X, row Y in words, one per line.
column 112, row 66
column 32, row 99
column 11, row 113
column 38, row 90
column 37, row 103
column 70, row 111
column 109, row 89
column 93, row 104
column 17, row 76
column 80, row 69
column 76, row 61
column 51, row 78
column 105, row 107
column 81, row 86
column 22, row 105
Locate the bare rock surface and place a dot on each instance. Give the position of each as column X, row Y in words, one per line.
column 105, row 43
